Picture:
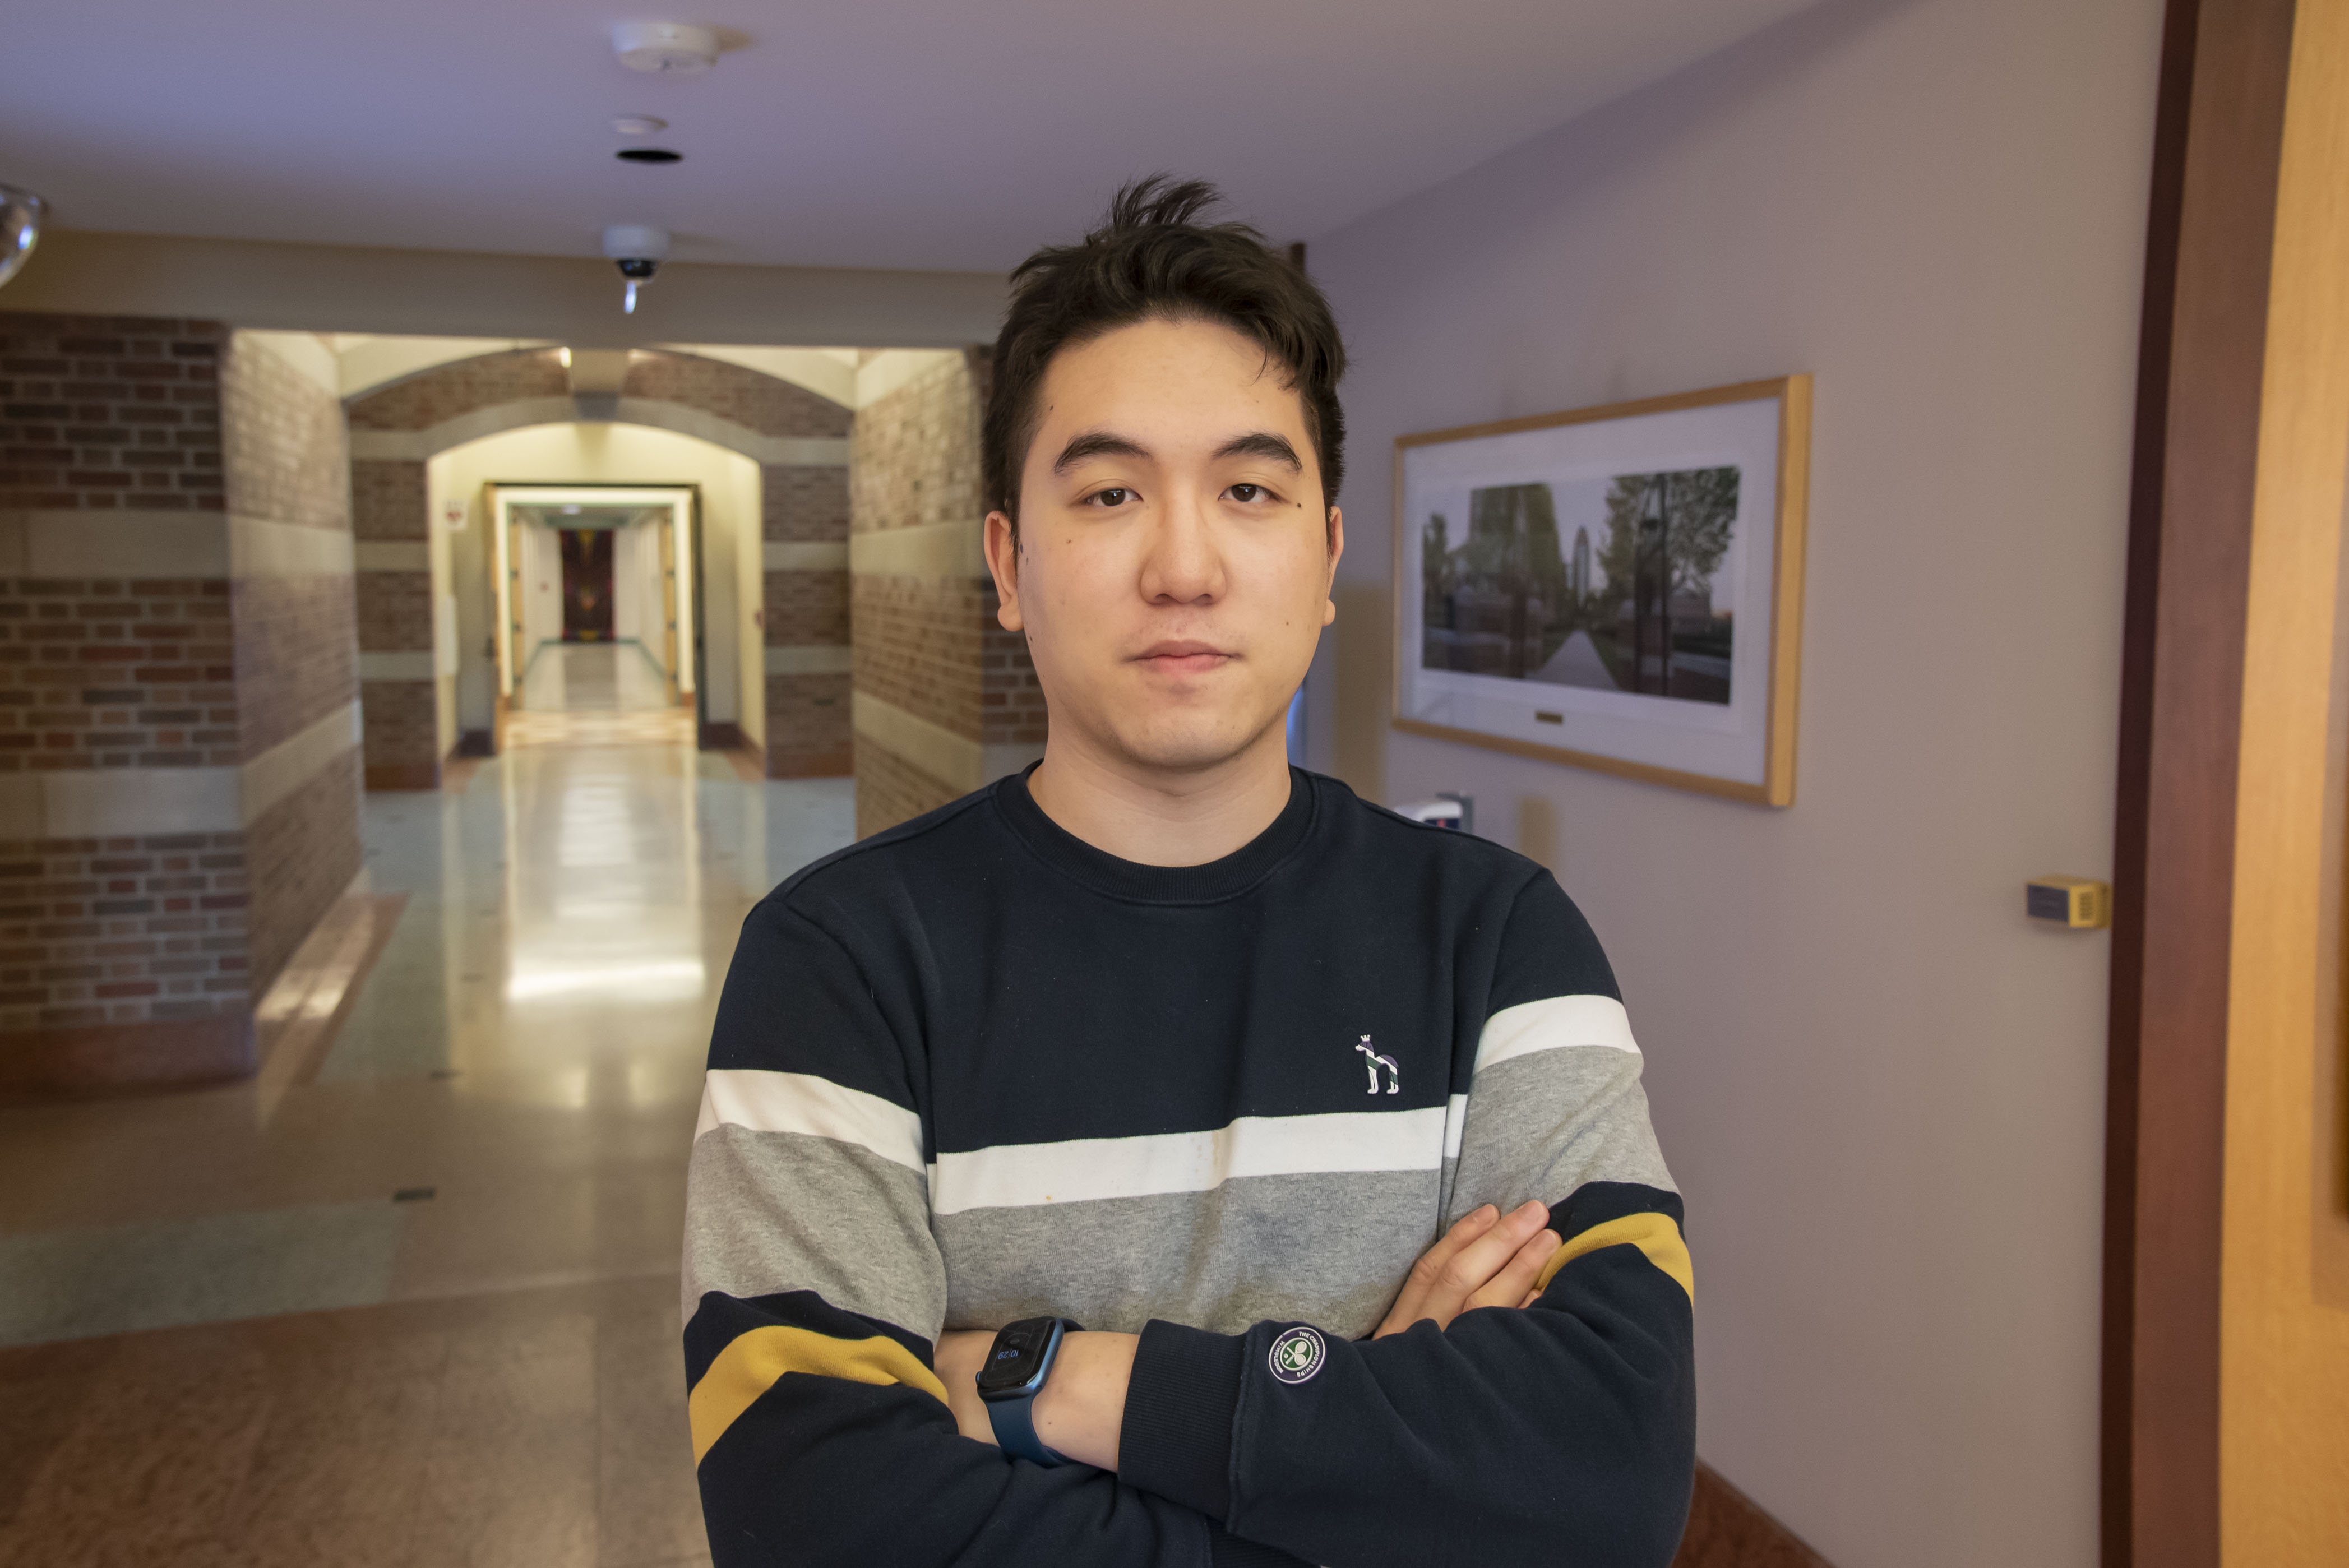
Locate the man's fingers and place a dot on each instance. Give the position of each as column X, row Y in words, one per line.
column 1410, row 1305
column 1510, row 1286
column 1471, row 1268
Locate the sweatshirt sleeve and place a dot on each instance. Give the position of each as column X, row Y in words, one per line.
column 1562, row 1432
column 814, row 1296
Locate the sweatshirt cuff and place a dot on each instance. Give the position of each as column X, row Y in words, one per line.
column 1180, row 1403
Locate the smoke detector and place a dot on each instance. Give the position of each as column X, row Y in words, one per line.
column 669, row 48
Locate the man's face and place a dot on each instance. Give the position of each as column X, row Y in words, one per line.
column 1173, row 567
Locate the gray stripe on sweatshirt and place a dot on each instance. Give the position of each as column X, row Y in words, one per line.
column 1540, row 1126
column 1327, row 1249
column 770, row 1211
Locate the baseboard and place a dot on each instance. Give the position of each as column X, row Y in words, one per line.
column 476, row 743
column 126, row 1058
column 724, row 735
column 1727, row 1529
column 404, row 776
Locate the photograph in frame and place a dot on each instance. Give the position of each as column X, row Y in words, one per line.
column 1616, row 588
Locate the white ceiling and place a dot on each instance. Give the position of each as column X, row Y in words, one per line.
column 954, row 134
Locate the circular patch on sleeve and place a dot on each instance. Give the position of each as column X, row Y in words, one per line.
column 1298, row 1354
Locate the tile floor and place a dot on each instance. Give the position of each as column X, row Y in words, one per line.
column 234, row 1345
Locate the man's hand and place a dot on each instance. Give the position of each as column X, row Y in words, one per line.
column 1486, row 1260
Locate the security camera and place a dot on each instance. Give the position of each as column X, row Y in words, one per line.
column 20, row 228
column 638, row 250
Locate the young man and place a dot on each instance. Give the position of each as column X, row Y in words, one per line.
column 1296, row 1151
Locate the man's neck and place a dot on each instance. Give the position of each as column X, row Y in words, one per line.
column 1158, row 817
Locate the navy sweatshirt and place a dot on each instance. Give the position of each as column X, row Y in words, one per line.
column 973, row 1069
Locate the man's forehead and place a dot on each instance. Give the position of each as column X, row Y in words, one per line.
column 1163, row 395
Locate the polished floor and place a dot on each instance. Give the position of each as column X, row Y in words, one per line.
column 609, row 694
column 409, row 1298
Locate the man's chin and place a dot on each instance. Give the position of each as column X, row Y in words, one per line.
column 1187, row 749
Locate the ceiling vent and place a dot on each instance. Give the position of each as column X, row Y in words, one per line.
column 669, row 48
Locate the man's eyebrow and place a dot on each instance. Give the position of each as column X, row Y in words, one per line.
column 1261, row 444
column 1097, row 444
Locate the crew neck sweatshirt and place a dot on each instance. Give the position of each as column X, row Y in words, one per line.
column 974, row 1069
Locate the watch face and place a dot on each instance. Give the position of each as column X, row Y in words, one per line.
column 1017, row 1356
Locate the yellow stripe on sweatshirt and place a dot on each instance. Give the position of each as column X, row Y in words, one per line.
column 751, row 1366
column 1654, row 1234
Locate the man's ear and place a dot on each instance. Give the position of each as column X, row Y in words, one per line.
column 1002, row 546
column 1337, row 549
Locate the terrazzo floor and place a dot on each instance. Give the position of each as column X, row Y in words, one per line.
column 409, row 1296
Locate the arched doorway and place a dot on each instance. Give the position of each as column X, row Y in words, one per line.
column 428, row 680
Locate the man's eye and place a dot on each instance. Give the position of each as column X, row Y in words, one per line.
column 1248, row 492
column 1116, row 495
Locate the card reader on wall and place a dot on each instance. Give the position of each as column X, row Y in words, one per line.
column 1448, row 809
column 2074, row 902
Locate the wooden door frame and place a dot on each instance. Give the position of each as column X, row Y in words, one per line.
column 2210, row 242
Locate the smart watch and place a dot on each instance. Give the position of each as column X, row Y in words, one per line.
column 1017, row 1365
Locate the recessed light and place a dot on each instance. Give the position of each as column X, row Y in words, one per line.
column 638, row 124
column 648, row 155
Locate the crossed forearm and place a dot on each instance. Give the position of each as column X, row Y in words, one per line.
column 1487, row 1259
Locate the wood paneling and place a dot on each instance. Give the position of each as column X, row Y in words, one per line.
column 2219, row 129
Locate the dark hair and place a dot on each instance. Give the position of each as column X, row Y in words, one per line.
column 1151, row 258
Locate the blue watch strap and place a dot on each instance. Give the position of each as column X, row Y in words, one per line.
column 1012, row 1417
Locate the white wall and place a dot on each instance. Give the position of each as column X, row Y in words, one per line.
column 541, row 596
column 636, row 586
column 617, row 454
column 1880, row 1087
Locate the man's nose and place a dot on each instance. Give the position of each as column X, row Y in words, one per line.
column 1184, row 565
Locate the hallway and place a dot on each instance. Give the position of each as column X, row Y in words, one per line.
column 596, row 694
column 417, row 1280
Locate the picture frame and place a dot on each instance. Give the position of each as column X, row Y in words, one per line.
column 1624, row 591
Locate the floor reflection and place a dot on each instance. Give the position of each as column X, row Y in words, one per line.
column 521, row 1063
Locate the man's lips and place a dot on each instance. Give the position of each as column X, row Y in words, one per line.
column 1182, row 658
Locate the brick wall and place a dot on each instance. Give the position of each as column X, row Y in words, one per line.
column 1010, row 698
column 808, row 731
column 116, row 930
column 928, row 643
column 115, row 673
column 130, row 702
column 295, row 609
column 302, row 853
column 401, row 726
column 740, row 395
column 804, row 504
column 388, row 498
column 890, row 789
column 462, row 386
column 916, row 451
column 919, row 644
column 106, row 413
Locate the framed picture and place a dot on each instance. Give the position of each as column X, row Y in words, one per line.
column 1618, row 588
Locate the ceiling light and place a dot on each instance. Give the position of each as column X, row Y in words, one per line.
column 564, row 355
column 648, row 155
column 638, row 124
column 21, row 213
column 669, row 49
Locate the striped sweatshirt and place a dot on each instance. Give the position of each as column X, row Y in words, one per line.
column 973, row 1069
